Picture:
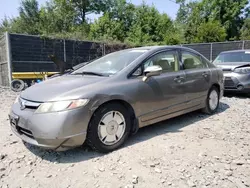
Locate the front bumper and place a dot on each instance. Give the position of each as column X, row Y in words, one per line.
column 237, row 82
column 58, row 131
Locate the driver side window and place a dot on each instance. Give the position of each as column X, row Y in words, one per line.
column 168, row 61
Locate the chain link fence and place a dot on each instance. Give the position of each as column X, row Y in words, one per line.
column 212, row 50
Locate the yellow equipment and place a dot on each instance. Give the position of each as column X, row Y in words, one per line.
column 31, row 75
column 21, row 80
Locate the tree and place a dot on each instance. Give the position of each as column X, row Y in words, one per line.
column 85, row 7
column 57, row 16
column 123, row 12
column 245, row 30
column 149, row 26
column 60, row 15
column 197, row 21
column 185, row 10
column 106, row 28
column 228, row 12
column 193, row 21
column 211, row 31
column 28, row 17
column 115, row 24
column 5, row 25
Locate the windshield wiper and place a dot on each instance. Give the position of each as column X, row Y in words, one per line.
column 89, row 73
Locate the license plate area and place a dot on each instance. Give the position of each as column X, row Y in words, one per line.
column 13, row 120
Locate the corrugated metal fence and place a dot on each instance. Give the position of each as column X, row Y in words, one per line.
column 25, row 53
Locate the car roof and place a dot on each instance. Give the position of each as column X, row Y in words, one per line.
column 159, row 47
column 233, row 51
column 156, row 48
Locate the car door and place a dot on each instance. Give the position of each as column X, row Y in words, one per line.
column 163, row 94
column 197, row 77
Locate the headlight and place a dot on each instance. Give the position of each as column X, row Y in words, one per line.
column 61, row 105
column 244, row 70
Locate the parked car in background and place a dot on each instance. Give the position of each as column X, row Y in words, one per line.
column 104, row 101
column 236, row 68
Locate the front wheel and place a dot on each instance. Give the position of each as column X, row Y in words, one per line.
column 109, row 128
column 212, row 101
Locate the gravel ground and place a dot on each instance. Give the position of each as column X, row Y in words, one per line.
column 193, row 150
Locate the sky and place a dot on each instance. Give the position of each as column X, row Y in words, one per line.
column 9, row 8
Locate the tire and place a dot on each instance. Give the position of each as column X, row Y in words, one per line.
column 211, row 109
column 17, row 85
column 97, row 128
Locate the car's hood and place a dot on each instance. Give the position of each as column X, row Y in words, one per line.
column 61, row 87
column 230, row 66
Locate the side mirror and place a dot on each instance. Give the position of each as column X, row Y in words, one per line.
column 155, row 70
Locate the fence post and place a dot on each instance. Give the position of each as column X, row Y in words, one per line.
column 243, row 45
column 9, row 56
column 211, row 52
column 64, row 51
column 103, row 49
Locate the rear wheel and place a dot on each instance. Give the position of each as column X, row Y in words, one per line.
column 109, row 127
column 212, row 101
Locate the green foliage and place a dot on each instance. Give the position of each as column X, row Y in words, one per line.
column 122, row 21
column 245, row 30
column 5, row 25
column 106, row 28
column 229, row 13
column 85, row 7
column 115, row 24
column 149, row 26
column 28, row 20
column 211, row 31
column 143, row 29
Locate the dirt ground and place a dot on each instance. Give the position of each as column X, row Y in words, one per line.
column 194, row 150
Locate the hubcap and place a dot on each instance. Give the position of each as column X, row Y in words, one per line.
column 17, row 85
column 213, row 100
column 111, row 128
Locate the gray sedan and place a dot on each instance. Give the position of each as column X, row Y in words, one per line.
column 112, row 97
column 236, row 68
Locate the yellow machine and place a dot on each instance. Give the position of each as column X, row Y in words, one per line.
column 31, row 75
column 21, row 80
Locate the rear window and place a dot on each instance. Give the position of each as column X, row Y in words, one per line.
column 233, row 57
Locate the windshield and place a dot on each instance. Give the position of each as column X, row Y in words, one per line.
column 111, row 63
column 233, row 57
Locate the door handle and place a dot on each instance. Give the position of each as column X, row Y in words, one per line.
column 179, row 79
column 204, row 74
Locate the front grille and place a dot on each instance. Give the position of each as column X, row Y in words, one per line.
column 28, row 104
column 229, row 83
column 31, row 107
column 26, row 132
column 227, row 70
